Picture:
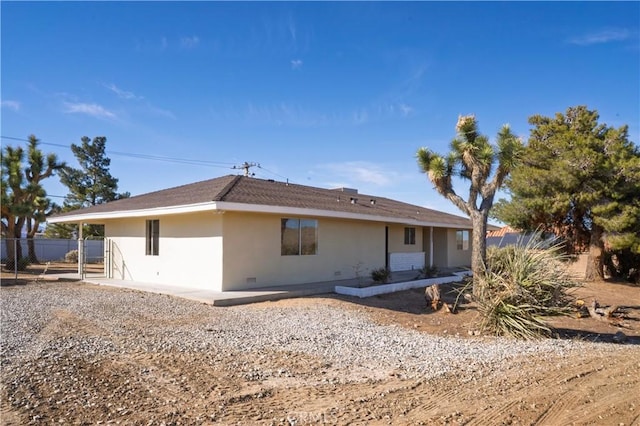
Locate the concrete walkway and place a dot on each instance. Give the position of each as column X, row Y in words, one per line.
column 230, row 298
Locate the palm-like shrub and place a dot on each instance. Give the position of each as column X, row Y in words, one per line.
column 521, row 285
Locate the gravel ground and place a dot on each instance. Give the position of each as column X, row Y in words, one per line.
column 345, row 338
column 53, row 335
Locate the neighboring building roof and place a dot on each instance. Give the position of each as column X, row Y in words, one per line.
column 501, row 232
column 239, row 193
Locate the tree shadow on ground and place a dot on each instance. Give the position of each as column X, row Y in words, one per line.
column 596, row 337
column 410, row 309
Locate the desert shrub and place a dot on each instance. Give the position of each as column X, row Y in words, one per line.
column 71, row 256
column 381, row 275
column 429, row 271
column 521, row 285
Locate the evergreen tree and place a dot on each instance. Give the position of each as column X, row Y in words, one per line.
column 580, row 180
column 90, row 185
column 472, row 158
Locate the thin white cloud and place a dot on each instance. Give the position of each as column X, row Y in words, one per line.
column 360, row 117
column 405, row 109
column 14, row 105
column 603, row 36
column 189, row 42
column 161, row 112
column 123, row 94
column 292, row 29
column 282, row 114
column 357, row 172
column 164, row 43
column 296, row 64
column 93, row 110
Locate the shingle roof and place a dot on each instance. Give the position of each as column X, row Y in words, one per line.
column 245, row 190
column 502, row 232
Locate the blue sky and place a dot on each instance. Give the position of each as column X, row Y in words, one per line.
column 324, row 94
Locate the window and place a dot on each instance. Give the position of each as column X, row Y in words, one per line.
column 462, row 240
column 410, row 236
column 299, row 237
column 153, row 237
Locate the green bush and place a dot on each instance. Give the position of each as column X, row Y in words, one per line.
column 381, row 275
column 521, row 285
column 429, row 271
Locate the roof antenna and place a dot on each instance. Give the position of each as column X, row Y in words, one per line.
column 246, row 166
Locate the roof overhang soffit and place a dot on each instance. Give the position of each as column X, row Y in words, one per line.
column 221, row 206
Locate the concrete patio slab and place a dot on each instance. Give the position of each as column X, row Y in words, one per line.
column 240, row 297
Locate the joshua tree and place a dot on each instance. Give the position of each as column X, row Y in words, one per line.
column 473, row 158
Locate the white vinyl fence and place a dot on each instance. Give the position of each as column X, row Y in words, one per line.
column 54, row 249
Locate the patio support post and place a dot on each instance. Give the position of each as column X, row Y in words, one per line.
column 80, row 250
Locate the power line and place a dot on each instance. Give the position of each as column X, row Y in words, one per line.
column 273, row 173
column 195, row 162
column 206, row 163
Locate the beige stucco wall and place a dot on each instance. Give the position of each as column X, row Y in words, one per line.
column 396, row 240
column 457, row 257
column 426, row 247
column 190, row 250
column 440, row 251
column 252, row 256
column 230, row 250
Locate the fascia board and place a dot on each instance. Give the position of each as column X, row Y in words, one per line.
column 221, row 206
column 160, row 211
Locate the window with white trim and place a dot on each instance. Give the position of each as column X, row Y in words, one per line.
column 152, row 237
column 462, row 239
column 298, row 237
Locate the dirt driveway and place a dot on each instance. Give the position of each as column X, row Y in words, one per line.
column 82, row 354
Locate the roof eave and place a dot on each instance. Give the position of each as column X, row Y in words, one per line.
column 222, row 206
column 122, row 214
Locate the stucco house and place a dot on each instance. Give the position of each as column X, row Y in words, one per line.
column 236, row 232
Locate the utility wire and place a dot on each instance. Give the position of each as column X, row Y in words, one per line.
column 207, row 163
column 273, row 173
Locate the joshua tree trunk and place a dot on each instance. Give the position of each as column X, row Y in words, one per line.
column 31, row 231
column 478, row 250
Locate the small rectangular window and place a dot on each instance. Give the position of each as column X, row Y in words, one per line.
column 462, row 240
column 298, row 237
column 410, row 236
column 152, row 237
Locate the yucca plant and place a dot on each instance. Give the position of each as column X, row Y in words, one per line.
column 521, row 285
